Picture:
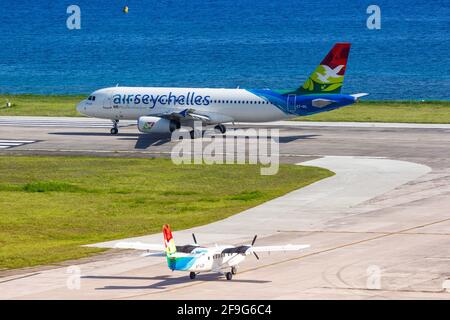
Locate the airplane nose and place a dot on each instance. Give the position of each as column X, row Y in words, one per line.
column 81, row 107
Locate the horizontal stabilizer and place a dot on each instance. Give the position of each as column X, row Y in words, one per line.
column 359, row 95
column 320, row 103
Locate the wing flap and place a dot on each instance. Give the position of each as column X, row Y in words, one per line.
column 193, row 115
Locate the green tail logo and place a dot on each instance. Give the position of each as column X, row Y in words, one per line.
column 329, row 75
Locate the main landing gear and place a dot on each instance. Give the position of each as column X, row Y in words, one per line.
column 115, row 128
column 220, row 128
column 229, row 275
column 196, row 133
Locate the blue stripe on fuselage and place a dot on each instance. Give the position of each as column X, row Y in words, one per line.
column 180, row 263
column 302, row 105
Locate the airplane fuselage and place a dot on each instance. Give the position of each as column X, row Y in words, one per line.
column 204, row 260
column 221, row 105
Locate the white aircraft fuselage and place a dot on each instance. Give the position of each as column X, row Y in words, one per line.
column 221, row 105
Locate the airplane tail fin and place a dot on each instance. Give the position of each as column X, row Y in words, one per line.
column 329, row 75
column 169, row 243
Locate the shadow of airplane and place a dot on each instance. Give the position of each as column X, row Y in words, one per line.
column 100, row 134
column 143, row 141
column 295, row 138
column 166, row 281
column 147, row 140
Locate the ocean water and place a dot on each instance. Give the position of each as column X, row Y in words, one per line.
column 223, row 43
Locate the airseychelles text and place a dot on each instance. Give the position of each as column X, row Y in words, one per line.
column 189, row 99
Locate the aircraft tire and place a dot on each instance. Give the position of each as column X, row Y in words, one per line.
column 114, row 131
column 192, row 275
column 229, row 276
column 220, row 128
column 195, row 134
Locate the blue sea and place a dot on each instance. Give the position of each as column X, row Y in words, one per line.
column 223, row 43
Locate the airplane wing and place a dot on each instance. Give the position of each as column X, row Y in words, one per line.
column 248, row 249
column 288, row 247
column 158, row 248
column 140, row 246
column 193, row 115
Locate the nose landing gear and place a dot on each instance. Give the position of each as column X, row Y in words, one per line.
column 115, row 128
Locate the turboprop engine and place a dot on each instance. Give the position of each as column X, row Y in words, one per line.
column 157, row 125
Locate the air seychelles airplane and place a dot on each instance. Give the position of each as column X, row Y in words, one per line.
column 196, row 259
column 163, row 110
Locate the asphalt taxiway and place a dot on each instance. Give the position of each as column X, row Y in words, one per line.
column 378, row 229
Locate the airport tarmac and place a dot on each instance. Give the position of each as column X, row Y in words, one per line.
column 378, row 229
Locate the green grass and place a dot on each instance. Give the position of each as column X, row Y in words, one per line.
column 365, row 111
column 49, row 206
column 388, row 111
column 40, row 105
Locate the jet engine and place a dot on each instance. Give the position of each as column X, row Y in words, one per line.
column 157, row 125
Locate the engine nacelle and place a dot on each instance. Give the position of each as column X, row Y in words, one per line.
column 157, row 125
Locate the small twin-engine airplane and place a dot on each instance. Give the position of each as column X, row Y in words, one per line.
column 197, row 259
column 163, row 110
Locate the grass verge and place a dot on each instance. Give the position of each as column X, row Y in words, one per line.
column 365, row 111
column 388, row 111
column 40, row 105
column 49, row 206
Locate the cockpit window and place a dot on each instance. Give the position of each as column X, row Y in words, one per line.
column 91, row 98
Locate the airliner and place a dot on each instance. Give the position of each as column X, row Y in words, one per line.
column 196, row 259
column 163, row 110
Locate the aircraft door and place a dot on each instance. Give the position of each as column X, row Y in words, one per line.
column 109, row 108
column 291, row 100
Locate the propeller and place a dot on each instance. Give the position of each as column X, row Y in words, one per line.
column 253, row 242
column 195, row 239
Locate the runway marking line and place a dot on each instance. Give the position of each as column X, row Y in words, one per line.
column 11, row 143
